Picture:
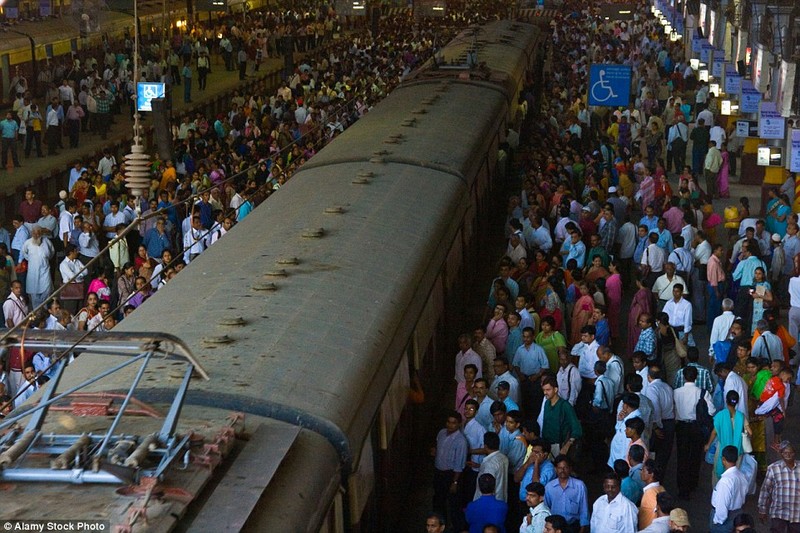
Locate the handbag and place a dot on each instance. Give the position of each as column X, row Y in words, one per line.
column 74, row 291
column 680, row 346
column 22, row 267
column 747, row 445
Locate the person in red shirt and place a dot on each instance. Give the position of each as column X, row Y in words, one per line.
column 30, row 208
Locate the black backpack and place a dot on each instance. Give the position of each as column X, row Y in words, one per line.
column 704, row 419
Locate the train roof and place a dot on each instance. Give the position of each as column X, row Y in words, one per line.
column 502, row 52
column 401, row 129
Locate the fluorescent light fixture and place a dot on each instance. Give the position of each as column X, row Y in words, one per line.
column 437, row 8
column 625, row 12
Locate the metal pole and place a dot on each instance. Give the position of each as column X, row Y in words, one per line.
column 124, row 405
column 77, row 477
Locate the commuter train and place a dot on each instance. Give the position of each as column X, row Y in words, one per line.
column 313, row 315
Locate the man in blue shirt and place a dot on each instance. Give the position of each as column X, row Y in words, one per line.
column 530, row 362
column 486, row 510
column 450, row 460
column 156, row 239
column 9, row 130
column 536, row 468
column 574, row 249
column 566, row 495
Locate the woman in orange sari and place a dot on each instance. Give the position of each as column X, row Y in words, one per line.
column 581, row 313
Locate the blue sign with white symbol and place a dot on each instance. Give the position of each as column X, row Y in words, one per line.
column 609, row 85
column 145, row 92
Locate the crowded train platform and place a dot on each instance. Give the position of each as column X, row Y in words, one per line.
column 628, row 364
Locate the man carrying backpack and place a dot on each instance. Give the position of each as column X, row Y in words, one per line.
column 693, row 411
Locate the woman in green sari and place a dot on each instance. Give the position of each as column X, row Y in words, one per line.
column 758, row 370
column 729, row 424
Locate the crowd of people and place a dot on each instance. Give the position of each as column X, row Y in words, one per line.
column 111, row 254
column 588, row 361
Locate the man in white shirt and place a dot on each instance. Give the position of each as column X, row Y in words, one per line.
column 680, row 314
column 496, row 464
column 654, row 257
column 721, row 326
column 28, row 388
column 537, row 509
column 502, row 371
column 586, row 351
column 71, row 266
column 717, row 134
column 729, row 493
column 15, row 308
column 194, row 243
column 568, row 377
column 734, row 381
column 615, row 368
column 701, row 253
column 688, row 431
column 664, row 285
column 66, row 221
column 661, row 396
column 466, row 356
column 112, row 219
column 613, row 511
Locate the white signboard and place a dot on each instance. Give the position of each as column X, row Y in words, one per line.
column 785, row 88
column 771, row 125
column 760, row 61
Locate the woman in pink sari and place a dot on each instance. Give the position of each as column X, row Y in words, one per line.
column 642, row 303
column 724, row 170
column 581, row 312
column 614, row 297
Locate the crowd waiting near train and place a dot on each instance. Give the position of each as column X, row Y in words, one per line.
column 223, row 167
column 555, row 386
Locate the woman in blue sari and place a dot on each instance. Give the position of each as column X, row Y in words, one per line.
column 778, row 211
column 729, row 424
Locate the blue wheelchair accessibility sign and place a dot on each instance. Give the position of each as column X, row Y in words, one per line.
column 609, row 85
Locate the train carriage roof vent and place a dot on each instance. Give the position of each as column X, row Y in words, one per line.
column 218, row 339
column 334, row 210
column 313, row 233
column 377, row 160
column 366, row 173
column 265, row 286
column 419, row 111
column 361, row 180
column 381, row 152
column 232, row 321
column 409, row 122
column 277, row 273
column 431, row 99
column 288, row 261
